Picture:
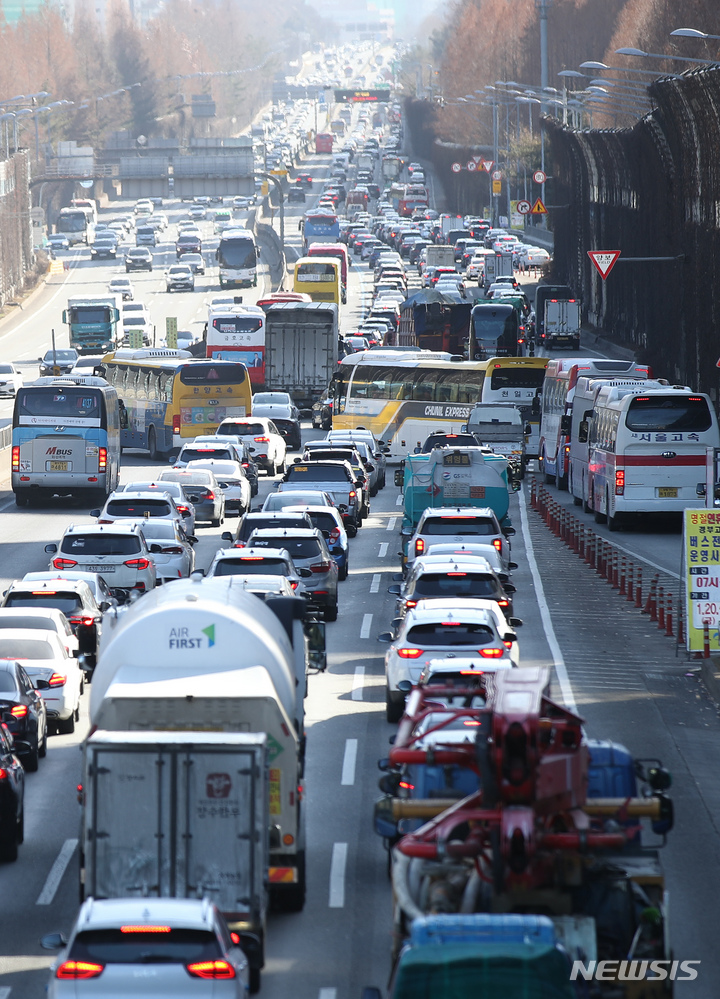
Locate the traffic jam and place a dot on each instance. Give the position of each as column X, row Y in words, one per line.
column 289, row 599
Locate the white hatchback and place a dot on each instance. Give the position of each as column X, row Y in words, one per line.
column 57, row 675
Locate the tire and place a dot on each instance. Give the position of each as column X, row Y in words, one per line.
column 216, row 522
column 394, row 709
column 351, row 530
column 152, row 444
column 9, row 845
column 21, row 828
column 613, row 523
column 42, row 749
column 254, row 981
column 293, row 899
column 281, row 468
column 67, row 726
column 345, row 570
column 21, row 497
column 331, row 613
column 32, row 760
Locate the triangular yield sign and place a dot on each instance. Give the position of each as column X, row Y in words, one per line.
column 538, row 208
column 487, row 165
column 476, row 159
column 604, row 260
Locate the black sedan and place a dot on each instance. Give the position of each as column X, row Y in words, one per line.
column 63, row 360
column 139, row 258
column 12, row 797
column 23, row 711
column 104, row 246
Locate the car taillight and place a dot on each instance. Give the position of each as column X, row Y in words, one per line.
column 419, row 546
column 210, row 496
column 246, row 464
column 409, row 653
column 19, row 711
column 176, row 424
column 294, row 585
column 87, row 621
column 137, row 563
column 211, row 969
column 503, row 603
column 321, row 567
column 104, row 521
column 411, row 603
column 620, row 482
column 173, row 550
column 239, row 544
column 497, row 544
column 102, row 459
column 16, row 458
column 57, row 680
column 63, row 563
column 183, row 509
column 491, row 653
column 79, row 969
column 261, row 440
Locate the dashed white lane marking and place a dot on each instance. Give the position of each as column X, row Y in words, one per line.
column 391, row 524
column 323, row 994
column 399, row 500
column 56, row 872
column 383, row 550
column 366, row 625
column 337, row 876
column 358, row 683
column 375, row 585
column 348, row 767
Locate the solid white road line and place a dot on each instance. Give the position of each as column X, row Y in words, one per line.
column 366, row 625
column 358, row 683
column 5, row 992
column 383, row 550
column 399, row 500
column 56, row 872
column 391, row 524
column 374, row 586
column 560, row 668
column 348, row 767
column 337, row 876
column 323, row 994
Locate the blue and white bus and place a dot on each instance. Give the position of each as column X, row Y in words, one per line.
column 320, row 227
column 65, row 439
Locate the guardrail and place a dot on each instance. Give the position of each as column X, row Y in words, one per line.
column 5, row 436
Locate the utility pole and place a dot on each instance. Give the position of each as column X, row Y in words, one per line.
column 543, row 6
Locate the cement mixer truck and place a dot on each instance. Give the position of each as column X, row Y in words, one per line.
column 194, row 764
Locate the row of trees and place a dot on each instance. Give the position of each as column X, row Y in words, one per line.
column 85, row 61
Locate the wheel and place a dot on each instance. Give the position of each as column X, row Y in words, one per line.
column 21, row 497
column 152, row 444
column 345, row 570
column 292, row 898
column 331, row 613
column 42, row 750
column 67, row 726
column 254, row 980
column 9, row 844
column 613, row 523
column 394, row 708
column 216, row 522
column 281, row 468
column 31, row 761
column 600, row 518
column 21, row 828
column 351, row 530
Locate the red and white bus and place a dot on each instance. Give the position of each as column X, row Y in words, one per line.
column 324, row 142
column 647, row 450
column 238, row 334
column 561, row 376
column 338, row 250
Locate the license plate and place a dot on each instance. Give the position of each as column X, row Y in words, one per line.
column 58, row 466
column 667, row 492
column 100, row 568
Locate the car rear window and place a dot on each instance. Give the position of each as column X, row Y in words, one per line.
column 277, row 501
column 298, row 547
column 251, row 566
column 25, row 648
column 323, row 521
column 243, row 429
column 460, row 633
column 7, row 683
column 198, row 454
column 250, row 524
column 187, row 478
column 68, row 603
column 317, row 473
column 101, row 544
column 463, row 526
column 455, row 583
column 139, row 508
column 120, row 946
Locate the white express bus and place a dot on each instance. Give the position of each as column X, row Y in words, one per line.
column 647, row 450
column 561, row 377
column 237, row 333
column 237, row 258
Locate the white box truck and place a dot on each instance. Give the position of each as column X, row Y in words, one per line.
column 205, row 655
column 498, row 265
column 301, row 350
column 180, row 815
column 562, row 323
column 439, row 255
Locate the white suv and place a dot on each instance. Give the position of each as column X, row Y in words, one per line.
column 117, row 552
column 264, row 441
column 148, row 947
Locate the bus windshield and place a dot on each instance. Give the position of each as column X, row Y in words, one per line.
column 60, row 405
column 316, row 272
column 669, row 413
column 90, row 314
column 510, row 378
column 321, row 220
column 72, row 222
column 239, row 324
column 237, row 252
column 213, row 374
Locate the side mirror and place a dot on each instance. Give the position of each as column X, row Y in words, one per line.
column 405, row 687
column 171, row 461
column 509, row 532
column 317, row 656
column 395, row 589
column 304, row 573
column 527, row 429
column 512, row 565
column 156, row 549
column 700, row 489
column 53, row 941
column 583, row 432
column 399, row 477
column 565, row 424
column 41, row 685
column 417, row 450
column 509, row 636
column 227, row 536
column 510, row 588
column 386, row 637
column 51, row 549
column 516, row 622
column 390, row 783
column 95, row 513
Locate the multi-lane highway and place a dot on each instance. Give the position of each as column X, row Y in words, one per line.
column 609, row 661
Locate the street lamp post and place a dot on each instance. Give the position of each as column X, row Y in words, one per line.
column 659, row 55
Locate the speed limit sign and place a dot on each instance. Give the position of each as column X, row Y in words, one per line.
column 456, row 167
column 539, row 177
column 524, row 207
